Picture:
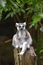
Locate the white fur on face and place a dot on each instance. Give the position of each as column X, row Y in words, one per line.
column 21, row 26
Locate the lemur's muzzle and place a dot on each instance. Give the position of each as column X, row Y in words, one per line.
column 21, row 28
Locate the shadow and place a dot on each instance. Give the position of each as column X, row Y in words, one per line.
column 7, row 30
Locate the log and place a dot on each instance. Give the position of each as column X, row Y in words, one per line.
column 29, row 58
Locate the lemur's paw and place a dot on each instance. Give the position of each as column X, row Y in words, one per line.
column 21, row 53
column 16, row 46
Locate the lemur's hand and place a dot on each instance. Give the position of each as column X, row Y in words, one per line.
column 16, row 46
column 24, row 47
column 21, row 53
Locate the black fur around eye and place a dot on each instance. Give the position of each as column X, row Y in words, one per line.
column 23, row 26
column 19, row 26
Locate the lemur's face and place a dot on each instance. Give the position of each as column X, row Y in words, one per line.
column 21, row 26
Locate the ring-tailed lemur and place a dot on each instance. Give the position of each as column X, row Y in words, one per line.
column 22, row 38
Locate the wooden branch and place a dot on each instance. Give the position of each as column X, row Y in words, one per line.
column 5, row 42
column 8, row 41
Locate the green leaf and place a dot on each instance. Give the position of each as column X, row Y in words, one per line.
column 18, row 1
column 14, row 3
column 30, row 2
column 5, row 9
column 36, row 19
column 41, row 51
column 23, row 10
column 41, row 15
column 8, row 15
column 2, row 3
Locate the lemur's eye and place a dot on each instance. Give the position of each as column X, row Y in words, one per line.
column 19, row 26
column 23, row 26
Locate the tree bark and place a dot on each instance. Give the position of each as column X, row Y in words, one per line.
column 29, row 58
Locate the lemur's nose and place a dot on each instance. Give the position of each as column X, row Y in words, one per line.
column 21, row 29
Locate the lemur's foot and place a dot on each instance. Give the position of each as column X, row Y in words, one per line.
column 21, row 53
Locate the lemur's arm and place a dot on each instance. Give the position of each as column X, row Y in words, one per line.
column 14, row 42
column 29, row 39
column 24, row 48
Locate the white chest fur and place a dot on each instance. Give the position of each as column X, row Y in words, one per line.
column 20, row 38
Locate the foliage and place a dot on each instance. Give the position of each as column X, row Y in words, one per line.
column 40, row 44
column 23, row 6
column 40, row 49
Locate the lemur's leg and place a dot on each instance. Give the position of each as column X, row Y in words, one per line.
column 24, row 48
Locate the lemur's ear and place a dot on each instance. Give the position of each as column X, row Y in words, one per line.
column 16, row 24
column 25, row 23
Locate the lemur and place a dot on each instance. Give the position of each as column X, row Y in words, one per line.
column 22, row 39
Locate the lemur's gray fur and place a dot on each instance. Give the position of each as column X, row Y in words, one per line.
column 22, row 38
